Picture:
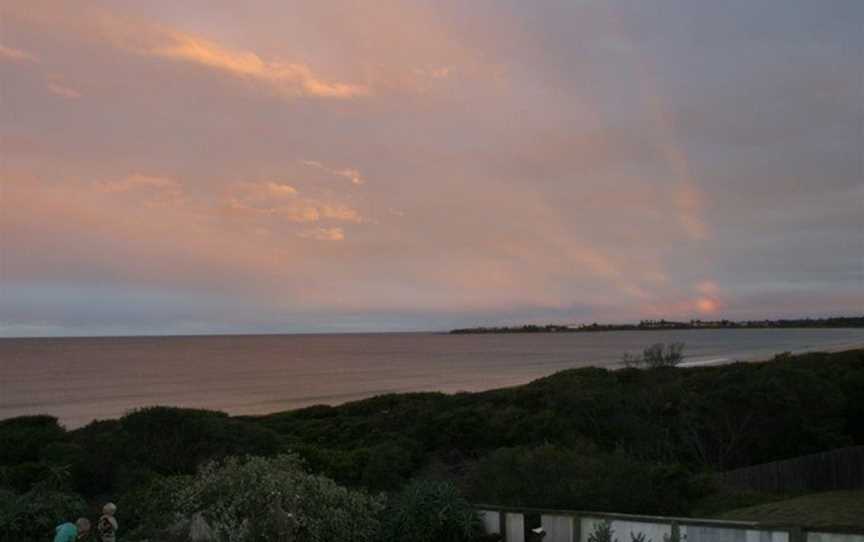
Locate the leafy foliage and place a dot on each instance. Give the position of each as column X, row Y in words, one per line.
column 34, row 514
column 151, row 505
column 259, row 499
column 181, row 439
column 430, row 511
column 656, row 356
column 580, row 479
column 602, row 532
column 24, row 437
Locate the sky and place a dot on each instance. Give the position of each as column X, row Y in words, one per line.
column 213, row 166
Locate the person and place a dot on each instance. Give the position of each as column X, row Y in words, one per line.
column 106, row 529
column 70, row 532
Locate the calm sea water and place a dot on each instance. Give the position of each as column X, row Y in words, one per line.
column 82, row 379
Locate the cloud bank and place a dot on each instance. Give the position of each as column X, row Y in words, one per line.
column 301, row 167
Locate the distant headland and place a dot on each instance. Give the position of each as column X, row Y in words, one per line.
column 654, row 325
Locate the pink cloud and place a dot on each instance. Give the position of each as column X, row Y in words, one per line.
column 283, row 201
column 351, row 174
column 323, row 234
column 708, row 287
column 691, row 207
column 285, row 78
column 63, row 91
column 16, row 55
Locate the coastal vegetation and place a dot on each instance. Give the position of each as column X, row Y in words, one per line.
column 638, row 440
column 655, row 325
column 656, row 356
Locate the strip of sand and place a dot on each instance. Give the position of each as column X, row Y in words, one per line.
column 723, row 361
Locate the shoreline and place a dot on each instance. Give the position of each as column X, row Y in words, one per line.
column 361, row 396
column 723, row 361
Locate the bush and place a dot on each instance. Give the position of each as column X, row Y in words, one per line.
column 25, row 437
column 258, row 499
column 380, row 468
column 554, row 477
column 602, row 532
column 23, row 477
column 656, row 356
column 151, row 506
column 102, row 452
column 430, row 511
column 180, row 439
column 32, row 517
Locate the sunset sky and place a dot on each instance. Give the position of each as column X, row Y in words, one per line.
column 212, row 166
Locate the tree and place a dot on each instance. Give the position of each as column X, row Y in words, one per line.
column 656, row 356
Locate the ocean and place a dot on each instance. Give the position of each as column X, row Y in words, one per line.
column 82, row 379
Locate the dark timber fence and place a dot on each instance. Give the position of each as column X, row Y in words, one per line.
column 842, row 468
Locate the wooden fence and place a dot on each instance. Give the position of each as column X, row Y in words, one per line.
column 842, row 468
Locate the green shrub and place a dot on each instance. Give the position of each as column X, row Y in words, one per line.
column 602, row 532
column 103, row 451
column 151, row 506
column 430, row 511
column 179, row 440
column 656, row 356
column 32, row 517
column 24, row 476
column 386, row 467
column 580, row 479
column 258, row 499
column 25, row 437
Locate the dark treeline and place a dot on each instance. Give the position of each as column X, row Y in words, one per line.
column 629, row 440
column 648, row 325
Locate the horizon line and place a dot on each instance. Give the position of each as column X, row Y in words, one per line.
column 409, row 332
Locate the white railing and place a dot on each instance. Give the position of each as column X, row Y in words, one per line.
column 571, row 526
